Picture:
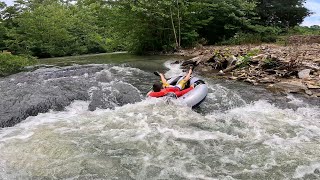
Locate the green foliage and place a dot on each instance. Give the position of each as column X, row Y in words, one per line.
column 270, row 63
column 53, row 29
column 253, row 52
column 161, row 25
column 143, row 26
column 3, row 31
column 3, row 28
column 284, row 14
column 243, row 61
column 227, row 18
column 268, row 34
column 243, row 38
column 300, row 30
column 10, row 64
column 256, row 35
column 315, row 27
column 49, row 28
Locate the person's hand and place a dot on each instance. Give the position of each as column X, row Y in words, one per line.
column 192, row 85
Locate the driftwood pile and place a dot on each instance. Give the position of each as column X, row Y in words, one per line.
column 283, row 69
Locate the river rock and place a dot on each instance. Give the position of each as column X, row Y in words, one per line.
column 288, row 87
column 312, row 86
column 30, row 93
column 308, row 92
column 267, row 80
column 104, row 76
column 252, row 81
column 99, row 100
column 316, row 95
column 304, row 74
column 204, row 69
column 191, row 61
column 119, row 94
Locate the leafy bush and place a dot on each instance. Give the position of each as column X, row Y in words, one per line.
column 242, row 38
column 270, row 63
column 10, row 64
column 302, row 30
column 243, row 61
column 256, row 35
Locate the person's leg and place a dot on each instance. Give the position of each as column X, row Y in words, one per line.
column 181, row 85
column 164, row 81
column 187, row 77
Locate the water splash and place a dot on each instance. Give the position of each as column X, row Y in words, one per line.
column 231, row 138
column 174, row 69
column 152, row 139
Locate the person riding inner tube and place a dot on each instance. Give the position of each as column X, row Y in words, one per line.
column 162, row 89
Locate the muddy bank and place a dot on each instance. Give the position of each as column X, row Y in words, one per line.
column 282, row 69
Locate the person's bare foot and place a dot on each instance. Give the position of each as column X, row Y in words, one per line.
column 191, row 69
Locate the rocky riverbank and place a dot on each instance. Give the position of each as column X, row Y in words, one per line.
column 282, row 69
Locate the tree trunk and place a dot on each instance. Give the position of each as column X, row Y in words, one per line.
column 179, row 30
column 174, row 29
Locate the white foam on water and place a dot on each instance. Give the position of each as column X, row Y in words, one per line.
column 301, row 171
column 127, row 70
column 154, row 139
column 174, row 69
column 77, row 108
column 164, row 136
column 49, row 133
column 227, row 96
column 295, row 100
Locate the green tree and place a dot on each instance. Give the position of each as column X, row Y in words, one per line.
column 161, row 25
column 10, row 64
column 43, row 31
column 285, row 14
column 227, row 18
column 51, row 28
column 3, row 29
column 315, row 27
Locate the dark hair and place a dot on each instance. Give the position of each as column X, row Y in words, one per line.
column 157, row 87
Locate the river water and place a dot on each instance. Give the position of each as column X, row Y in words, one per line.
column 238, row 132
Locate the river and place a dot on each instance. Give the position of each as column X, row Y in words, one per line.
column 93, row 121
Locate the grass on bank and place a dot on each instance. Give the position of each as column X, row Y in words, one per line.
column 10, row 64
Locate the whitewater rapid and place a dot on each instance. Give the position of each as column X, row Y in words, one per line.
column 231, row 135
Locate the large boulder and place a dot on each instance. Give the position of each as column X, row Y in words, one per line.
column 30, row 93
column 119, row 94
